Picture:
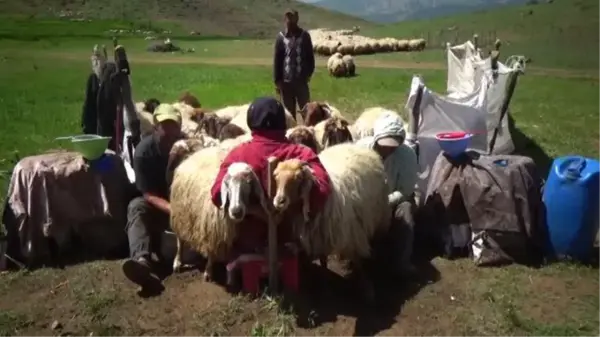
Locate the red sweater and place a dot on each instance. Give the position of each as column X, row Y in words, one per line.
column 255, row 153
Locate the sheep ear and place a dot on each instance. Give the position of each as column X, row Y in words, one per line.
column 258, row 189
column 309, row 180
column 225, row 191
column 326, row 108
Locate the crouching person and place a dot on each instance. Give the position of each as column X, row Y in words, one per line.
column 148, row 215
column 266, row 120
column 401, row 166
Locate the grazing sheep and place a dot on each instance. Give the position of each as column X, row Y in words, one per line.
column 336, row 65
column 354, row 213
column 190, row 100
column 350, row 66
column 332, row 131
column 241, row 120
column 146, row 118
column 210, row 230
column 230, row 131
column 363, row 126
column 304, row 135
column 314, row 112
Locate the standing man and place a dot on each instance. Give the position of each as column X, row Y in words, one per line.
column 148, row 215
column 293, row 64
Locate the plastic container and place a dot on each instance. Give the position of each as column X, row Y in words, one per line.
column 454, row 144
column 571, row 197
column 91, row 147
column 253, row 270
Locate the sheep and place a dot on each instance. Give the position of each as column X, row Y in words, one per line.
column 184, row 148
column 332, row 131
column 194, row 219
column 336, row 65
column 363, row 126
column 241, row 120
column 355, row 211
column 232, row 111
column 230, row 131
column 211, row 124
column 150, row 105
column 350, row 66
column 314, row 112
column 190, row 100
column 304, row 135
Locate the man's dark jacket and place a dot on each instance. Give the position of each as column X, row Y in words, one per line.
column 293, row 58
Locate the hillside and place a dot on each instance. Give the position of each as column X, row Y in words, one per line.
column 247, row 18
column 388, row 11
column 563, row 34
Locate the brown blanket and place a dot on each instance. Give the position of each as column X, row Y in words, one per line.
column 55, row 195
column 499, row 197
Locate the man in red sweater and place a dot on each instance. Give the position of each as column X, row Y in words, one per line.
column 266, row 120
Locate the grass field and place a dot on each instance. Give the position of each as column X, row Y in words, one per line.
column 41, row 93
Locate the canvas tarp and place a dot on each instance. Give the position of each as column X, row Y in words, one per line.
column 439, row 114
column 497, row 197
column 54, row 195
column 466, row 71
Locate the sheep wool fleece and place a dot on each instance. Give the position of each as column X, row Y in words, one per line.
column 401, row 166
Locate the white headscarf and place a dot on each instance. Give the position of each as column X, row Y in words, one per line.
column 388, row 125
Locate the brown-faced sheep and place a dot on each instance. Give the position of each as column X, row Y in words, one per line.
column 356, row 210
column 211, row 124
column 332, row 131
column 190, row 100
column 314, row 112
column 230, row 131
column 304, row 135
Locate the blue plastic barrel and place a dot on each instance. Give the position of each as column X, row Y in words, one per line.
column 571, row 200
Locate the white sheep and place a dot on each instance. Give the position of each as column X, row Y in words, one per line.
column 146, row 119
column 350, row 66
column 194, row 219
column 336, row 65
column 232, row 111
column 363, row 126
column 355, row 211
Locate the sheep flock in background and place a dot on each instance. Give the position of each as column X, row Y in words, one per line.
column 346, row 42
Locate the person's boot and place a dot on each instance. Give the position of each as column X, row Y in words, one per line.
column 139, row 271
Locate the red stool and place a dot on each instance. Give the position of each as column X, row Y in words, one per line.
column 254, row 268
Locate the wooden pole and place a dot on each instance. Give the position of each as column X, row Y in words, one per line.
column 272, row 253
column 476, row 41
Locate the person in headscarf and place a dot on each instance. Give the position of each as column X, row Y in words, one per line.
column 401, row 166
column 266, row 120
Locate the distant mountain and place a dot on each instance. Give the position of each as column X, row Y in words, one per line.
column 386, row 11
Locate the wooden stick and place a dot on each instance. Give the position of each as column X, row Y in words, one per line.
column 273, row 263
column 476, row 41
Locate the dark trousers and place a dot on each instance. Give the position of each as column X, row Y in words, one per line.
column 403, row 227
column 292, row 93
column 145, row 225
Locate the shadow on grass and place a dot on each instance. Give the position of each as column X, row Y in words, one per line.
column 336, row 295
column 526, row 146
